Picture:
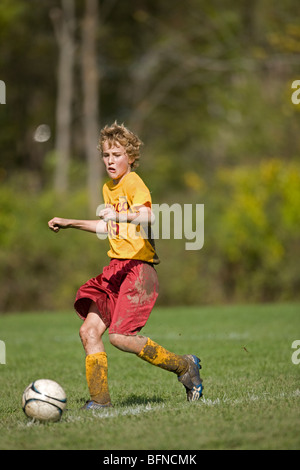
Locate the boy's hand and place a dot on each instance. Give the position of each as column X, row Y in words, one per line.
column 57, row 223
column 108, row 213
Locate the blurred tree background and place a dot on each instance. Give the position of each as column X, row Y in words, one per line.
column 207, row 87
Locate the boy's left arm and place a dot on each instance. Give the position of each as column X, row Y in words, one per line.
column 139, row 215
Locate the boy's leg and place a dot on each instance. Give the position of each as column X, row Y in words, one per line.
column 185, row 367
column 136, row 300
column 151, row 352
column 91, row 333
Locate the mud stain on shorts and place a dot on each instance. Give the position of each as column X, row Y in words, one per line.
column 145, row 286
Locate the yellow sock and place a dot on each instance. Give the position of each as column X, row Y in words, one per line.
column 160, row 357
column 96, row 376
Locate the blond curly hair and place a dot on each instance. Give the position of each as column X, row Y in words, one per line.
column 118, row 133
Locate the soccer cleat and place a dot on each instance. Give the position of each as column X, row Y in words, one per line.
column 191, row 378
column 92, row 405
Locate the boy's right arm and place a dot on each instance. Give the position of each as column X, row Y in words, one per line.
column 95, row 226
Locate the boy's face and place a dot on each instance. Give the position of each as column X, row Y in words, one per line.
column 116, row 161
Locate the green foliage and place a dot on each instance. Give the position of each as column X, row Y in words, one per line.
column 259, row 229
column 208, row 90
column 251, row 238
column 250, row 252
column 40, row 269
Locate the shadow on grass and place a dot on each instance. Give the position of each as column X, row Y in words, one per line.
column 133, row 400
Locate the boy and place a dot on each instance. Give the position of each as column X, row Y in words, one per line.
column 122, row 297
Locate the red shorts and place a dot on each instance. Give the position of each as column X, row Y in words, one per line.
column 125, row 294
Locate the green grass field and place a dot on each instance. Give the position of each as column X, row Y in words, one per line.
column 251, row 396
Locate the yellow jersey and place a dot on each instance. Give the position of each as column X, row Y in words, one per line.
column 129, row 240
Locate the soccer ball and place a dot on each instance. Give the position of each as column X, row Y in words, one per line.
column 44, row 400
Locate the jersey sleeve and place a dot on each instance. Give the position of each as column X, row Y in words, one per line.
column 139, row 194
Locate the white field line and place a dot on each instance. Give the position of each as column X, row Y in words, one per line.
column 140, row 409
column 249, row 398
column 72, row 416
column 116, row 412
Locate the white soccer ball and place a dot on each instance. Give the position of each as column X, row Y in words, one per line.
column 44, row 400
